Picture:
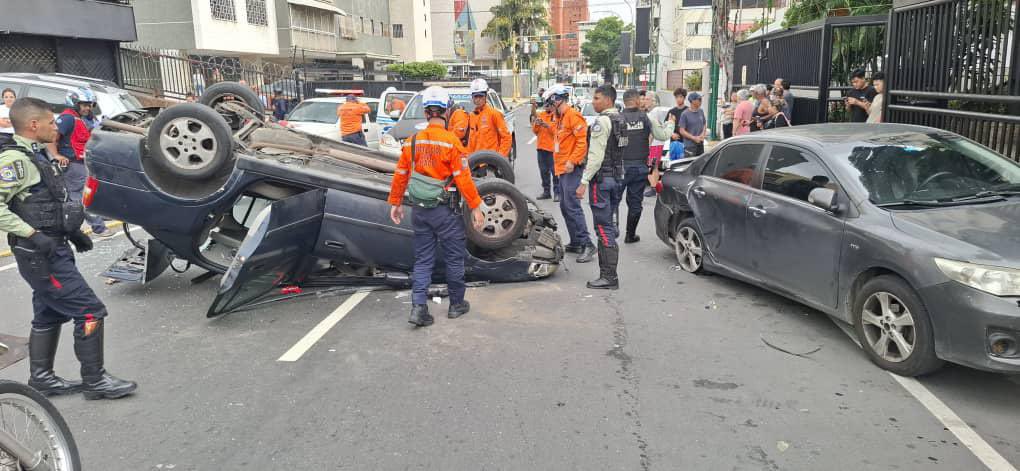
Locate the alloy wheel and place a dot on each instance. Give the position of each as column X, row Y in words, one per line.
column 888, row 327
column 688, row 248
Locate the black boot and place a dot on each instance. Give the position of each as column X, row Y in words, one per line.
column 420, row 315
column 459, row 309
column 97, row 383
column 544, row 196
column 42, row 349
column 587, row 253
column 608, row 259
column 632, row 223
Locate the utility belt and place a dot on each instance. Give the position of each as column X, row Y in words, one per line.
column 13, row 240
column 610, row 169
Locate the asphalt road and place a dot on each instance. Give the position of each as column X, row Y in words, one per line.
column 670, row 372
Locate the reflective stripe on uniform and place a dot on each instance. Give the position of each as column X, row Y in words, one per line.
column 436, row 143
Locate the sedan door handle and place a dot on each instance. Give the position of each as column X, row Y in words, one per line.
column 699, row 192
column 757, row 211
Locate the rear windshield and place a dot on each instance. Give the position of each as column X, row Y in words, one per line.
column 315, row 112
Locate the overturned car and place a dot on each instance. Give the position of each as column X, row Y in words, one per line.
column 277, row 211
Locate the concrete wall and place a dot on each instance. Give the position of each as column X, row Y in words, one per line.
column 165, row 24
column 416, row 45
column 68, row 18
column 371, row 10
column 234, row 36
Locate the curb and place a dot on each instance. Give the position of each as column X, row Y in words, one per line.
column 109, row 225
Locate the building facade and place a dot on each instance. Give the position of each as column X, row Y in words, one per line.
column 35, row 40
column 564, row 18
column 243, row 28
column 457, row 39
column 411, row 29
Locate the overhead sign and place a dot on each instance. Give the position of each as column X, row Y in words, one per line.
column 642, row 31
column 624, row 51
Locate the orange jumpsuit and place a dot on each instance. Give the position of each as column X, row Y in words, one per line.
column 571, row 140
column 351, row 116
column 458, row 124
column 439, row 155
column 489, row 131
column 546, row 134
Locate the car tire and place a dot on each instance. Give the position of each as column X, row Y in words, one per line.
column 689, row 246
column 489, row 164
column 217, row 92
column 190, row 141
column 505, row 218
column 882, row 328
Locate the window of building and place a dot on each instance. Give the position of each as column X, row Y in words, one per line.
column 699, row 54
column 257, row 12
column 347, row 28
column 363, row 28
column 699, row 29
column 372, row 26
column 398, row 30
column 222, row 10
column 312, row 20
column 383, row 31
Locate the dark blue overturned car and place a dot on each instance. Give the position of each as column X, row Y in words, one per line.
column 276, row 211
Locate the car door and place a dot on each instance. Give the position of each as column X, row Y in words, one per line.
column 370, row 128
column 794, row 245
column 718, row 197
column 357, row 227
column 277, row 251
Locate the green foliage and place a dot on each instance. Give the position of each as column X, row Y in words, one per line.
column 693, row 81
column 805, row 11
column 514, row 19
column 602, row 44
column 419, row 70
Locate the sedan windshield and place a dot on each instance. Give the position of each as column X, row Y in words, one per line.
column 935, row 167
column 314, row 112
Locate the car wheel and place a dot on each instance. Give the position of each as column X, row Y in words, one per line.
column 232, row 90
column 505, row 217
column 894, row 328
column 688, row 246
column 486, row 164
column 190, row 141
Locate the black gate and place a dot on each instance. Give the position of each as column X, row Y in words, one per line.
column 48, row 54
column 955, row 65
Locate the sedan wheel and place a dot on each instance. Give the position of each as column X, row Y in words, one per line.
column 894, row 328
column 688, row 247
column 888, row 327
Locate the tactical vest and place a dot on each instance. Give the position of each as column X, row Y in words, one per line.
column 612, row 162
column 637, row 128
column 48, row 208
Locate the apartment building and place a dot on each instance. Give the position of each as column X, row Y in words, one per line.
column 243, row 28
column 412, row 29
column 565, row 16
column 457, row 39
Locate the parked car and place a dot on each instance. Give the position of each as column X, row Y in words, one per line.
column 386, row 119
column 318, row 116
column 413, row 119
column 274, row 210
column 53, row 88
column 910, row 234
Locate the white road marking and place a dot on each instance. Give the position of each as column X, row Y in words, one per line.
column 12, row 265
column 299, row 349
column 970, row 439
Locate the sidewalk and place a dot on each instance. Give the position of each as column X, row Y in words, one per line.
column 5, row 250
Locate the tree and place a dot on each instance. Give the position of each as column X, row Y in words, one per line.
column 601, row 46
column 806, row 11
column 693, row 81
column 419, row 70
column 512, row 20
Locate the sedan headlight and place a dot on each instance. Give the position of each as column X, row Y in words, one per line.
column 389, row 141
column 993, row 280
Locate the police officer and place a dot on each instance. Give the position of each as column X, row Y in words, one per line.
column 569, row 150
column 430, row 163
column 40, row 217
column 636, row 167
column 488, row 128
column 602, row 181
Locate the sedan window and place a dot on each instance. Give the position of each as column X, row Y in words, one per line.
column 791, row 172
column 736, row 163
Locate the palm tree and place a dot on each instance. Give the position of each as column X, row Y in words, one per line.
column 513, row 19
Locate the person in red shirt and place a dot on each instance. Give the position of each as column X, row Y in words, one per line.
column 352, row 115
column 544, row 127
column 488, row 128
column 435, row 159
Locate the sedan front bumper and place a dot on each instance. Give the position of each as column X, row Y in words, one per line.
column 967, row 321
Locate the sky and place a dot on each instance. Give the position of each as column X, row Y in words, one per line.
column 602, row 8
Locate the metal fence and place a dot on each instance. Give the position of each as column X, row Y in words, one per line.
column 48, row 54
column 955, row 65
column 816, row 58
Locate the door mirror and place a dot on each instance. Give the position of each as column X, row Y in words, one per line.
column 395, row 114
column 824, row 198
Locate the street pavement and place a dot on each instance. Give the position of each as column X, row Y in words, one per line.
column 671, row 372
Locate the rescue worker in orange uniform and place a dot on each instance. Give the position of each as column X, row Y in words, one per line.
column 352, row 115
column 457, row 122
column 488, row 129
column 544, row 127
column 430, row 163
column 569, row 151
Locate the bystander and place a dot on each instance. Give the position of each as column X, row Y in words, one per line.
column 859, row 97
column 6, row 127
column 693, row 127
column 876, row 105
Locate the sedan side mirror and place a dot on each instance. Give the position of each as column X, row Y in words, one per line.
column 395, row 114
column 825, row 198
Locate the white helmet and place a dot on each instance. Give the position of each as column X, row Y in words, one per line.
column 435, row 96
column 556, row 91
column 391, row 89
column 479, row 86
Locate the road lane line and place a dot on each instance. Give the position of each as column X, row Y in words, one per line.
column 299, row 349
column 12, row 265
column 981, row 449
column 952, row 422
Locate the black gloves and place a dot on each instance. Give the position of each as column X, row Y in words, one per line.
column 43, row 243
column 82, row 242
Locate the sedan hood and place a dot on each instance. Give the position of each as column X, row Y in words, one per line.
column 992, row 231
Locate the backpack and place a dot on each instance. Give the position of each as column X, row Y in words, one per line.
column 423, row 190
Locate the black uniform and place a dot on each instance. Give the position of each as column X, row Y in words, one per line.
column 638, row 128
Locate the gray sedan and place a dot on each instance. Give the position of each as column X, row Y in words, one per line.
column 910, row 234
